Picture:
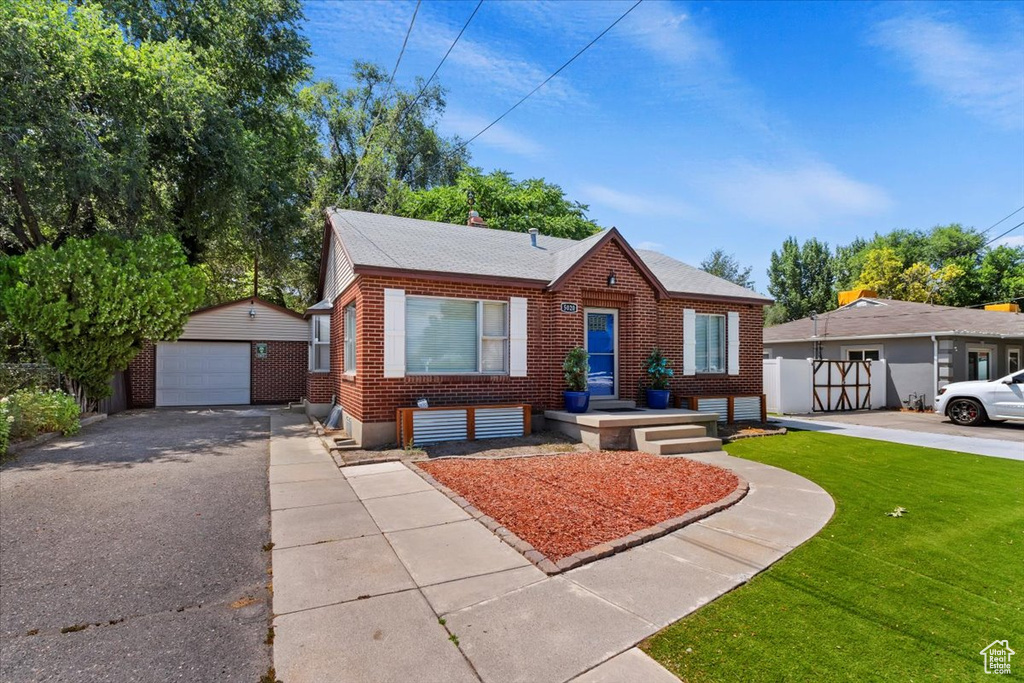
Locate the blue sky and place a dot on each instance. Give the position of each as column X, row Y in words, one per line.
column 692, row 126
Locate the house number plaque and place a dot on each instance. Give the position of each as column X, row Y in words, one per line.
column 569, row 308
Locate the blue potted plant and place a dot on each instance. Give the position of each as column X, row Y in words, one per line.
column 657, row 367
column 575, row 369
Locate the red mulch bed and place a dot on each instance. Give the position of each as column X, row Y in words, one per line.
column 563, row 504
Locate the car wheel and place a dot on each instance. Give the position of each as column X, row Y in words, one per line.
column 967, row 412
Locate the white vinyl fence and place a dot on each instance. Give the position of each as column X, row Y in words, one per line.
column 792, row 386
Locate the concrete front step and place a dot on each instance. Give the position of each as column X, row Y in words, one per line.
column 670, row 432
column 675, row 440
column 609, row 404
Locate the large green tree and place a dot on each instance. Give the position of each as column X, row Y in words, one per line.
column 102, row 134
column 801, row 279
column 725, row 265
column 505, row 203
column 91, row 304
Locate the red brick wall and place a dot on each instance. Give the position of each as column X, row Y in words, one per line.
column 643, row 323
column 281, row 376
column 141, row 378
column 670, row 340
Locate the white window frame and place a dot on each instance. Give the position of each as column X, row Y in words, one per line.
column 315, row 341
column 349, row 335
column 981, row 348
column 479, row 340
column 1010, row 350
column 845, row 350
column 725, row 350
column 766, row 353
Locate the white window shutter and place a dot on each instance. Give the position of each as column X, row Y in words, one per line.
column 733, row 341
column 517, row 336
column 394, row 333
column 689, row 342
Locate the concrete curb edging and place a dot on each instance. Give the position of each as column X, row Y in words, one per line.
column 600, row 551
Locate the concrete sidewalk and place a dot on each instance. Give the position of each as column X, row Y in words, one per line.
column 380, row 577
column 1013, row 450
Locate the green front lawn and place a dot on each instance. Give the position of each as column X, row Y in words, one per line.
column 872, row 597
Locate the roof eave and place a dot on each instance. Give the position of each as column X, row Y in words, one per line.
column 896, row 335
column 476, row 278
column 724, row 298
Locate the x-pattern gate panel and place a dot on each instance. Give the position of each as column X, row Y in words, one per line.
column 841, row 385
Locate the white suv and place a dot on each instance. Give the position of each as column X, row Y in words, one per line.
column 971, row 403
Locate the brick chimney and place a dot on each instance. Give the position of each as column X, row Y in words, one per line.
column 475, row 220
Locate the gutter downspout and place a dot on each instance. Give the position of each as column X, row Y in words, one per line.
column 935, row 370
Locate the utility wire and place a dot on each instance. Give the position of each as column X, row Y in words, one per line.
column 1001, row 220
column 387, row 93
column 1004, row 234
column 401, row 116
column 462, row 146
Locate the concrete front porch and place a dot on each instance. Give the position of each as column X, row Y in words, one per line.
column 638, row 428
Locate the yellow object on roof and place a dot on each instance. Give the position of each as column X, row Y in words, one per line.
column 1008, row 308
column 851, row 295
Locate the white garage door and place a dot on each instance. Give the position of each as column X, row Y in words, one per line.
column 202, row 373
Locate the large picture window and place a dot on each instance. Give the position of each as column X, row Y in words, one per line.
column 320, row 350
column 710, row 351
column 455, row 336
column 350, row 338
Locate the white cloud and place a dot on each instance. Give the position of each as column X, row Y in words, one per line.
column 1011, row 241
column 651, row 246
column 982, row 77
column 630, row 203
column 803, row 195
column 491, row 65
column 498, row 136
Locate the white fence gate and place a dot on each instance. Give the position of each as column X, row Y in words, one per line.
column 805, row 385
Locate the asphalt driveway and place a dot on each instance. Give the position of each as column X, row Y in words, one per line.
column 134, row 551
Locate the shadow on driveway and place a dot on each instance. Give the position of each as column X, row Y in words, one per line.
column 141, row 538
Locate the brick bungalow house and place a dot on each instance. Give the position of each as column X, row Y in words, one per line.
column 462, row 314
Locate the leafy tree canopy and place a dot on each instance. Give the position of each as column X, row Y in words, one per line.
column 505, row 203
column 801, row 279
column 102, row 134
column 724, row 265
column 883, row 271
column 91, row 304
column 378, row 144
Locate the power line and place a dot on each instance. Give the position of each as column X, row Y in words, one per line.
column 401, row 116
column 559, row 70
column 1001, row 220
column 1002, row 235
column 387, row 93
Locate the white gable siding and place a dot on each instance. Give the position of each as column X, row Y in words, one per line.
column 339, row 269
column 234, row 323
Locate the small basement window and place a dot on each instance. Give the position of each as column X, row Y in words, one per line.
column 320, row 343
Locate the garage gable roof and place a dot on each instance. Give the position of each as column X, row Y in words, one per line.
column 230, row 321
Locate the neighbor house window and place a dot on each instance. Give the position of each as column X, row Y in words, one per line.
column 710, row 332
column 453, row 336
column 320, row 353
column 979, row 366
column 350, row 338
column 1013, row 360
column 864, row 354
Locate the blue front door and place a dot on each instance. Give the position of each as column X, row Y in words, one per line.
column 600, row 335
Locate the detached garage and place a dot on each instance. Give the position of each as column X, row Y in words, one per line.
column 241, row 352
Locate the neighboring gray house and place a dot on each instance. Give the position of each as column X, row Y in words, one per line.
column 925, row 346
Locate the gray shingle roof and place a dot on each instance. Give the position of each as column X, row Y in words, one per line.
column 377, row 240
column 880, row 317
